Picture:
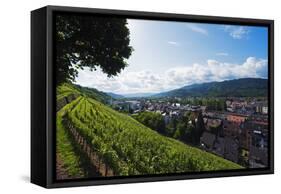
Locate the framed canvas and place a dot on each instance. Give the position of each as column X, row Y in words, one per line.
column 126, row 96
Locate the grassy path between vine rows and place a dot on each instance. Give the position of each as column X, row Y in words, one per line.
column 71, row 160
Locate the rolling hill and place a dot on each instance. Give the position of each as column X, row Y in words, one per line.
column 94, row 93
column 68, row 89
column 122, row 143
column 245, row 87
column 115, row 96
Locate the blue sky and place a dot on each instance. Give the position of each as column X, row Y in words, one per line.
column 169, row 55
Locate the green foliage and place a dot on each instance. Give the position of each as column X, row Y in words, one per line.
column 152, row 120
column 94, row 93
column 199, row 129
column 170, row 128
column 187, row 130
column 181, row 131
column 90, row 41
column 65, row 89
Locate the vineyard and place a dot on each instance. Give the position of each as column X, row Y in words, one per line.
column 95, row 140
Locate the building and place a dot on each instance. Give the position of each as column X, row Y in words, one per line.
column 231, row 149
column 237, row 118
column 230, row 128
column 226, row 147
column 207, row 141
column 219, row 146
column 213, row 125
column 258, row 148
column 262, row 108
column 258, row 157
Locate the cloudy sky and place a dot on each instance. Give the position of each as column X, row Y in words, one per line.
column 170, row 55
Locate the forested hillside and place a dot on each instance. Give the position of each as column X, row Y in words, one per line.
column 245, row 87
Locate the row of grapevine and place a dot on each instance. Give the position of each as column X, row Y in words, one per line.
column 85, row 147
column 65, row 148
column 78, row 157
column 65, row 90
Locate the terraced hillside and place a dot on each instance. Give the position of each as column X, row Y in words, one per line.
column 95, row 140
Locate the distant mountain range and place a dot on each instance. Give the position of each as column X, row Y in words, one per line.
column 116, row 96
column 138, row 95
column 132, row 95
column 245, row 87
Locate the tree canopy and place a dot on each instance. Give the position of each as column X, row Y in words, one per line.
column 152, row 120
column 90, row 41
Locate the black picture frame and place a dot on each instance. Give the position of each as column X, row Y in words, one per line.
column 43, row 114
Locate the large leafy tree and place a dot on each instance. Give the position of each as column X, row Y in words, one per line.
column 152, row 120
column 90, row 41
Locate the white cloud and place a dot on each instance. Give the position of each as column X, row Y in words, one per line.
column 148, row 81
column 196, row 28
column 222, row 54
column 173, row 43
column 237, row 32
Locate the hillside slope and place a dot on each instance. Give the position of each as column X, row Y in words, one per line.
column 130, row 148
column 67, row 89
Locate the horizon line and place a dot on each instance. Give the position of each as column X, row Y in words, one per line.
column 174, row 88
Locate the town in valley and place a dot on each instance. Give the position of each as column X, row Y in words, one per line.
column 235, row 128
